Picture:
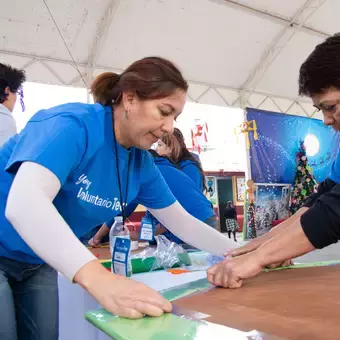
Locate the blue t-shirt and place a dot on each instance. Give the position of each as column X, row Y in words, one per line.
column 186, row 192
column 76, row 142
column 196, row 156
column 191, row 169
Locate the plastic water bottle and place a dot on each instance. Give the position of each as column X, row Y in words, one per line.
column 121, row 261
column 117, row 228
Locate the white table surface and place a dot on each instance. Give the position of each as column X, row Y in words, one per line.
column 74, row 302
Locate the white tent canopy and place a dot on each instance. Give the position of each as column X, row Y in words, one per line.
column 234, row 53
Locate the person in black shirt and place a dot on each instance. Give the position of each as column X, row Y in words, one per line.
column 317, row 224
column 230, row 217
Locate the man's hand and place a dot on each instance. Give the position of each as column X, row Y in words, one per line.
column 286, row 263
column 231, row 272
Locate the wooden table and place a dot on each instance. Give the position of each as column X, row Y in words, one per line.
column 293, row 304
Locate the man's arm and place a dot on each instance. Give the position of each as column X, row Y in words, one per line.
column 290, row 244
column 321, row 223
column 256, row 243
column 316, row 228
column 324, row 195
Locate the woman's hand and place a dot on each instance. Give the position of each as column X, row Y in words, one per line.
column 119, row 295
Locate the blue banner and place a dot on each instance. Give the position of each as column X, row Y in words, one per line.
column 273, row 155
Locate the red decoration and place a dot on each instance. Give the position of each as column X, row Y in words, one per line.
column 199, row 135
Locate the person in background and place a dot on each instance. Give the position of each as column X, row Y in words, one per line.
column 230, row 217
column 174, row 147
column 87, row 238
column 72, row 167
column 11, row 80
column 317, row 224
column 186, row 193
column 197, row 157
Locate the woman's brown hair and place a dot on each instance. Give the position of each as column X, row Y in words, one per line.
column 180, row 152
column 148, row 78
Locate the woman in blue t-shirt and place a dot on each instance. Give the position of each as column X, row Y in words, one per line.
column 174, row 147
column 185, row 192
column 73, row 167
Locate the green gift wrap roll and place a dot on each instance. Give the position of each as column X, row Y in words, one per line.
column 140, row 265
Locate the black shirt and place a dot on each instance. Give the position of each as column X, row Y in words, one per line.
column 230, row 213
column 321, row 223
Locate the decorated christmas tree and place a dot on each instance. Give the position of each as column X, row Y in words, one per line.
column 251, row 225
column 249, row 231
column 304, row 184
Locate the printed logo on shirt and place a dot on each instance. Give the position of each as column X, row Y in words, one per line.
column 85, row 195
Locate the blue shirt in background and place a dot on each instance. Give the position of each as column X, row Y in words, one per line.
column 76, row 142
column 186, row 192
column 191, row 169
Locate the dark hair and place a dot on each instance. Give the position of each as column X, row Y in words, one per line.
column 180, row 152
column 321, row 70
column 10, row 77
column 154, row 153
column 148, row 78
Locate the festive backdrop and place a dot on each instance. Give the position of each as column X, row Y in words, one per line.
column 273, row 154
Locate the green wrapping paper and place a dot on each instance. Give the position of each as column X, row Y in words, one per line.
column 147, row 264
column 166, row 327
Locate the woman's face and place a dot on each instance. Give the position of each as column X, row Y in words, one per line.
column 149, row 120
column 162, row 149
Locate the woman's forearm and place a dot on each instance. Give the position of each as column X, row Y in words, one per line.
column 39, row 223
column 192, row 231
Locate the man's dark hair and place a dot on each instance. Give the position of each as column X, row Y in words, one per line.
column 10, row 77
column 321, row 70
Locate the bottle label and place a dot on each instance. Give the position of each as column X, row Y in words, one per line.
column 120, row 256
column 147, row 231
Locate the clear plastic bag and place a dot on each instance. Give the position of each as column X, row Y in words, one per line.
column 166, row 254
